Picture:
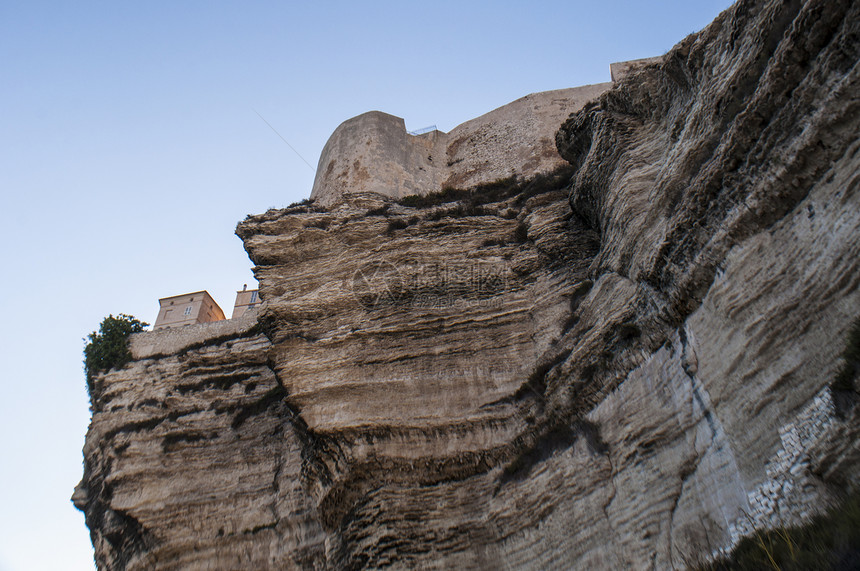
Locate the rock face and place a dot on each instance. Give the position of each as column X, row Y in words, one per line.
column 624, row 365
column 192, row 458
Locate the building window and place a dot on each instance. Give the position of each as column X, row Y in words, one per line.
column 253, row 297
column 188, row 310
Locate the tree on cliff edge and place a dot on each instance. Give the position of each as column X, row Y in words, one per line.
column 108, row 348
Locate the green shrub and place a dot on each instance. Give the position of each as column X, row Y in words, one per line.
column 108, row 348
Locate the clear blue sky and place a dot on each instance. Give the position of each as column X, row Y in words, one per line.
column 130, row 148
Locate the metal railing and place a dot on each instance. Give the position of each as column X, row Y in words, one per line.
column 423, row 130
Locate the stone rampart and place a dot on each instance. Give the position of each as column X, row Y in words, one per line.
column 373, row 152
column 515, row 139
column 620, row 70
column 174, row 339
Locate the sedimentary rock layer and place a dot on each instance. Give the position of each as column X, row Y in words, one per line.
column 192, row 461
column 625, row 365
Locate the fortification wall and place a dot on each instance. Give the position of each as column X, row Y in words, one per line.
column 516, row 139
column 374, row 153
column 174, row 339
column 620, row 70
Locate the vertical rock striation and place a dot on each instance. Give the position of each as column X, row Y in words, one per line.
column 625, row 364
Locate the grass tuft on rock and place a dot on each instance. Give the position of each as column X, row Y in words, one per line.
column 496, row 191
column 830, row 541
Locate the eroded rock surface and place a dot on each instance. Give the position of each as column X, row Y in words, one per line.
column 627, row 365
column 192, row 462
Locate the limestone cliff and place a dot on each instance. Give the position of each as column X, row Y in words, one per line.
column 625, row 364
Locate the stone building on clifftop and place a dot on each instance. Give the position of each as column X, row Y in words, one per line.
column 187, row 309
column 199, row 307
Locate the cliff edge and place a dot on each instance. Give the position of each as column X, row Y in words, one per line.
column 627, row 362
